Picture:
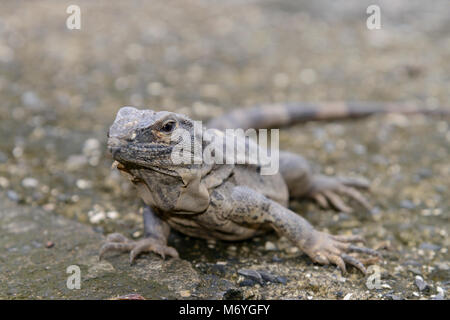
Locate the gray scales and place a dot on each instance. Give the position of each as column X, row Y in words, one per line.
column 234, row 201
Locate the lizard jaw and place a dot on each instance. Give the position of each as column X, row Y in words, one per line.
column 117, row 165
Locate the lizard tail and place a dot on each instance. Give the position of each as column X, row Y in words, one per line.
column 280, row 115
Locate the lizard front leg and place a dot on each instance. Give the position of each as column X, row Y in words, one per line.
column 156, row 232
column 250, row 207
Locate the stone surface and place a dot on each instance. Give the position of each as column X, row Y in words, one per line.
column 32, row 269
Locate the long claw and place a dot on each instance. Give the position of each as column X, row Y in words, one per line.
column 148, row 245
column 337, row 202
column 339, row 262
column 138, row 249
column 321, row 200
column 356, row 195
column 172, row 252
column 354, row 262
column 117, row 242
column 115, row 246
column 320, row 258
column 324, row 248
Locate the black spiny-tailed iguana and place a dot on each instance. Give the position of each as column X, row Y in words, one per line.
column 232, row 201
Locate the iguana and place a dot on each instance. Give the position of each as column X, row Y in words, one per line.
column 232, row 201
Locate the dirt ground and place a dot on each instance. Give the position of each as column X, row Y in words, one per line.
column 60, row 90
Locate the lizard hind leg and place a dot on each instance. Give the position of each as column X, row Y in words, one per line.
column 325, row 190
column 156, row 234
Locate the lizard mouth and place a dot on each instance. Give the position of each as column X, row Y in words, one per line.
column 120, row 166
column 117, row 165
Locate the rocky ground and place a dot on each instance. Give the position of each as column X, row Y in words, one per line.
column 60, row 90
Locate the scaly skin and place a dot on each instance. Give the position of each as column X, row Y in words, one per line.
column 221, row 201
column 279, row 115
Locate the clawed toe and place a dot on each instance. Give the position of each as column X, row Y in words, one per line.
column 336, row 250
column 354, row 262
column 118, row 242
column 348, row 248
column 355, row 195
column 336, row 201
column 114, row 246
column 116, row 237
column 151, row 245
column 328, row 191
column 359, row 183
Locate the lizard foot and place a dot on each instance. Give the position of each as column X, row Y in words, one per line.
column 325, row 248
column 328, row 190
column 118, row 242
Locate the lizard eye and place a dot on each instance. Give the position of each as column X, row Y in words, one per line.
column 168, row 126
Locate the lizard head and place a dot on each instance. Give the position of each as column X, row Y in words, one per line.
column 142, row 142
column 143, row 138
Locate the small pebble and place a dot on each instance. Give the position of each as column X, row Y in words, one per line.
column 112, row 214
column 269, row 246
column 276, row 258
column 348, row 296
column 429, row 246
column 421, row 284
column 185, row 293
column 136, row 234
column 83, row 184
column 4, row 183
column 293, row 250
column 415, row 270
column 440, row 295
column 97, row 217
column 29, row 183
column 12, row 195
column 406, row 204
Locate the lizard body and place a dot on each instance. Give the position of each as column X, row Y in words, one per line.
column 226, row 201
